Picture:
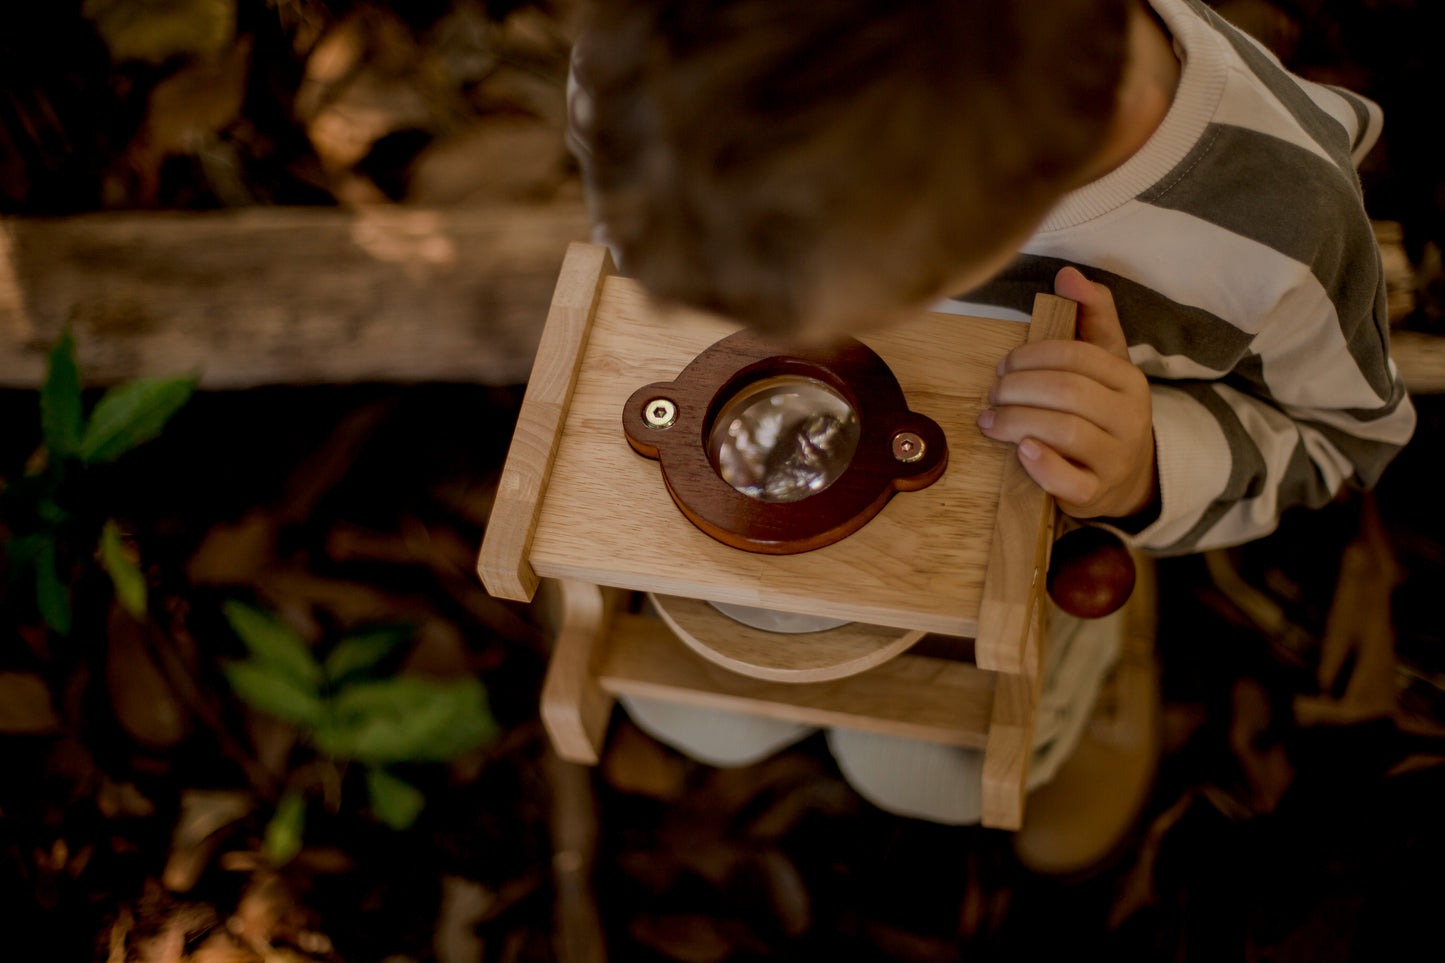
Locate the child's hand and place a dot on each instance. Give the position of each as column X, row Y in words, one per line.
column 1079, row 411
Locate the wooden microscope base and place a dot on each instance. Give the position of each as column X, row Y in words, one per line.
column 601, row 653
column 966, row 557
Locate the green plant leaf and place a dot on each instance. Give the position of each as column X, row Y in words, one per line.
column 52, row 513
column 285, row 830
column 396, row 802
column 60, row 401
column 268, row 689
column 22, row 554
column 470, row 724
column 125, row 574
column 276, row 644
column 130, row 414
column 20, row 499
column 408, row 719
column 383, row 721
column 363, row 650
column 51, row 593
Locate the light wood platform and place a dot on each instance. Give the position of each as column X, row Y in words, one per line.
column 965, row 557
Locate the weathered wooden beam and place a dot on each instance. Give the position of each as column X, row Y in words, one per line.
column 316, row 295
column 1421, row 359
column 285, row 295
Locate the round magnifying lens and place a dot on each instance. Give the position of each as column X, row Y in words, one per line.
column 783, row 439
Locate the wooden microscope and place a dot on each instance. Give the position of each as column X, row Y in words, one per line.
column 960, row 552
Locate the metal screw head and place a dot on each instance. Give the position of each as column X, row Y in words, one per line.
column 659, row 413
column 907, row 446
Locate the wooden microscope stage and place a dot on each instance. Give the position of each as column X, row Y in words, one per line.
column 965, row 557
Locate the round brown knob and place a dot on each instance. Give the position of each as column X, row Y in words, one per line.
column 1090, row 573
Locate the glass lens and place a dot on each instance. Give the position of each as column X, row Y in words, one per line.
column 783, row 439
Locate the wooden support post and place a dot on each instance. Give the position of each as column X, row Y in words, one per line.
column 575, row 709
column 1011, row 734
column 1017, row 557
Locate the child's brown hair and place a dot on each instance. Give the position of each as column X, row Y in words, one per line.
column 786, row 162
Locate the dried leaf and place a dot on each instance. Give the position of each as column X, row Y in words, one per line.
column 120, row 564
column 204, row 812
column 156, row 32
column 396, row 802
column 772, row 875
column 236, row 553
column 25, row 704
column 60, row 402
column 122, row 800
column 1267, row 769
column 465, row 903
column 638, row 764
column 131, row 414
column 119, row 930
column 268, row 915
column 180, row 926
column 222, row 948
column 490, row 162
column 194, row 104
column 140, row 694
column 689, row 938
column 438, row 651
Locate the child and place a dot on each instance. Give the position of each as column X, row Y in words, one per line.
column 818, row 168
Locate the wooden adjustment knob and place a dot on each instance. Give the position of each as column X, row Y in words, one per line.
column 1090, row 573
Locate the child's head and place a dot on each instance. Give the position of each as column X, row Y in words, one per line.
column 825, row 164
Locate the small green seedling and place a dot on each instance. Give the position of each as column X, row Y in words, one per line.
column 54, row 506
column 351, row 712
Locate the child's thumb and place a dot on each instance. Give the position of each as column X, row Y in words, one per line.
column 1098, row 322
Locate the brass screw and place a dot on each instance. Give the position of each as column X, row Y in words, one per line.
column 659, row 413
column 907, row 446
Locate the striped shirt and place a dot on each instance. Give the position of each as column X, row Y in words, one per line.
column 1249, row 286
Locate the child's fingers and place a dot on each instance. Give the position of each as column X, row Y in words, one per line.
column 1098, row 321
column 1085, row 359
column 1073, row 437
column 1063, row 391
column 1072, row 484
column 1090, row 471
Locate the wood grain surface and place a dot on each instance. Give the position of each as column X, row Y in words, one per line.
column 503, row 564
column 575, row 709
column 297, row 296
column 914, row 697
column 781, row 656
column 1010, row 746
column 919, row 564
column 1018, row 554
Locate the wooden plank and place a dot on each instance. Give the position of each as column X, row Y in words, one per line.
column 608, row 517
column 916, row 697
column 1421, row 359
column 503, row 563
column 578, row 935
column 1011, row 734
column 1016, row 574
column 285, row 295
column 575, row 709
column 782, row 657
